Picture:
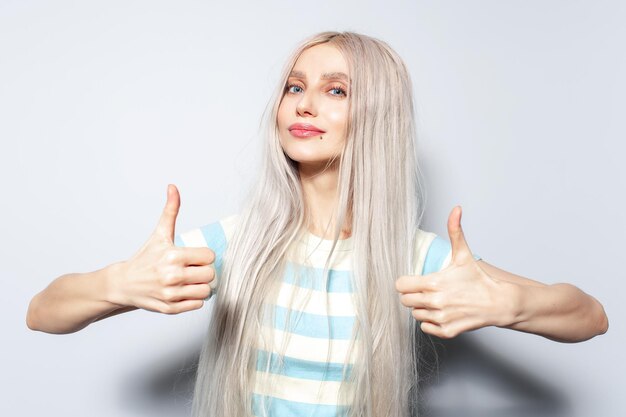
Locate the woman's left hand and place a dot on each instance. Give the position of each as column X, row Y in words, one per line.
column 458, row 298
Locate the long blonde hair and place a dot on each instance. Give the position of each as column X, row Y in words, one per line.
column 379, row 190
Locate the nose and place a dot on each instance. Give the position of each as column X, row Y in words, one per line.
column 306, row 106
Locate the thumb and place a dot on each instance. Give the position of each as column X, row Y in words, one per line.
column 460, row 249
column 167, row 222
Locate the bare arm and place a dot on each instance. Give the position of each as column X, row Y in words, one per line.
column 160, row 277
column 470, row 294
column 73, row 301
column 560, row 312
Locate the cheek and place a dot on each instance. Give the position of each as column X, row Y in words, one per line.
column 280, row 117
column 285, row 110
column 339, row 118
column 282, row 122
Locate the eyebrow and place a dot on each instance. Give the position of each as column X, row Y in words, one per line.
column 325, row 76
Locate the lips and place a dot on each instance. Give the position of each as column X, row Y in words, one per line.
column 304, row 130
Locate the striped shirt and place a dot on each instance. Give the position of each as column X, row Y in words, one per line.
column 313, row 316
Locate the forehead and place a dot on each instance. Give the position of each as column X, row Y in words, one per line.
column 318, row 60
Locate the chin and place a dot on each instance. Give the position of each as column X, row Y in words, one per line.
column 297, row 155
column 301, row 155
column 316, row 164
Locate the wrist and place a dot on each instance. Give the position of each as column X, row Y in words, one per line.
column 113, row 277
column 511, row 298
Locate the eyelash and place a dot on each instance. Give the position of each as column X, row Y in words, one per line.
column 343, row 91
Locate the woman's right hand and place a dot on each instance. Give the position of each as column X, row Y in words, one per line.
column 162, row 277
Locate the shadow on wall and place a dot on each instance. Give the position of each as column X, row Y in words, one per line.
column 162, row 390
column 470, row 383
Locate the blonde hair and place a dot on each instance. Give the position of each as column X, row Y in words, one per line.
column 379, row 191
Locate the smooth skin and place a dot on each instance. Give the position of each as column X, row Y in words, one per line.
column 317, row 92
column 467, row 295
column 470, row 294
column 160, row 277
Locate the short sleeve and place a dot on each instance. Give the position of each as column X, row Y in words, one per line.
column 210, row 236
column 439, row 255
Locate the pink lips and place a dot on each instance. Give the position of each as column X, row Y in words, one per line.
column 304, row 130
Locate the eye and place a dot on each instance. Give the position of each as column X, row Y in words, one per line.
column 290, row 88
column 341, row 91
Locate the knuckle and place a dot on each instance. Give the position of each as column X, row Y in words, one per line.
column 167, row 294
column 172, row 256
column 441, row 317
column 435, row 282
column 437, row 301
column 171, row 277
column 168, row 309
column 447, row 332
column 175, row 309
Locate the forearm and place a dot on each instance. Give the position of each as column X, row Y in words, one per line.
column 559, row 312
column 73, row 301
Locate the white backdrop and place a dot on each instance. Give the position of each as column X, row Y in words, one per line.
column 102, row 104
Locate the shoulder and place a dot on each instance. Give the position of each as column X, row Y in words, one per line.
column 432, row 252
column 212, row 235
column 229, row 224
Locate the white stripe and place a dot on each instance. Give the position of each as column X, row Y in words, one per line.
column 340, row 303
column 194, row 239
column 306, row 348
column 422, row 243
column 229, row 224
column 446, row 261
column 341, row 260
column 300, row 390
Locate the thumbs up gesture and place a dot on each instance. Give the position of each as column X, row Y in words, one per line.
column 458, row 298
column 161, row 277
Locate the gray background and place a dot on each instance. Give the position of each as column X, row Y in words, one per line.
column 102, row 104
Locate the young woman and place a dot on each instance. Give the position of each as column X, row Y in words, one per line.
column 323, row 283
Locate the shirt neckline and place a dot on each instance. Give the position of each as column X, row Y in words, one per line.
column 313, row 241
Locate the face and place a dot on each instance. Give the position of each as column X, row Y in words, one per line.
column 313, row 114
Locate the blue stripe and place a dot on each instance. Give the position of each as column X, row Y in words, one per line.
column 313, row 325
column 178, row 241
column 437, row 253
column 277, row 407
column 299, row 368
column 310, row 277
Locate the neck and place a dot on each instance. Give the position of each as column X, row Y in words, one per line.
column 319, row 187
